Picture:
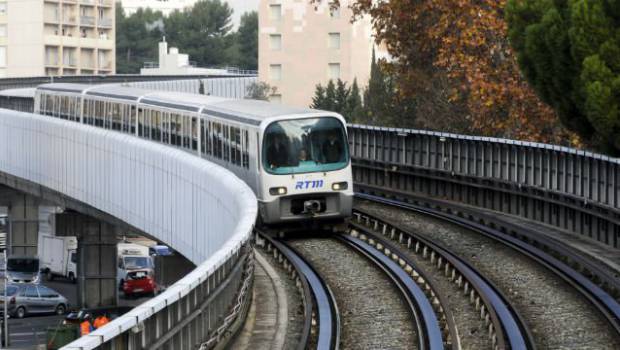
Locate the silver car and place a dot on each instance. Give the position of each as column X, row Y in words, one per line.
column 28, row 299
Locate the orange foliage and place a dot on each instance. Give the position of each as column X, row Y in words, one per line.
column 465, row 41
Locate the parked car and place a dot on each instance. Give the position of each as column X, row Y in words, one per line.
column 28, row 299
column 139, row 282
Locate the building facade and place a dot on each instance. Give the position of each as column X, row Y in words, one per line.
column 57, row 37
column 302, row 45
column 165, row 6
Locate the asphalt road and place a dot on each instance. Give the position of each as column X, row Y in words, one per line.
column 29, row 332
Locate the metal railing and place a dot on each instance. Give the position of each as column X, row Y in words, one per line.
column 87, row 20
column 571, row 189
column 198, row 208
column 105, row 22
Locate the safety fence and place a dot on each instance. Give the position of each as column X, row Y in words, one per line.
column 571, row 189
column 26, row 82
column 198, row 208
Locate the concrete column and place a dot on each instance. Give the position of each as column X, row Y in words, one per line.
column 96, row 252
column 23, row 217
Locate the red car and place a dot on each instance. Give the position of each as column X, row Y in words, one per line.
column 139, row 282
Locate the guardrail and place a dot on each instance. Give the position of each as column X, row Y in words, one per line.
column 198, row 208
column 571, row 189
column 17, row 83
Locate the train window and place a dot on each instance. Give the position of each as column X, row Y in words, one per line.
column 246, row 155
column 157, row 120
column 305, row 145
column 133, row 118
column 194, row 138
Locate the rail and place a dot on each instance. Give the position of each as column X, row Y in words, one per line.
column 498, row 230
column 506, row 327
column 430, row 336
column 317, row 296
column 196, row 207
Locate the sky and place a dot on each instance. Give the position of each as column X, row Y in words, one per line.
column 242, row 6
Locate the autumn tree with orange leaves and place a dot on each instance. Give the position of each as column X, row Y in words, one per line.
column 454, row 59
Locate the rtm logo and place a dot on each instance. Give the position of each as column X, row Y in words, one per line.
column 302, row 185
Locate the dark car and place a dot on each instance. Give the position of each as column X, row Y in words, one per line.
column 28, row 299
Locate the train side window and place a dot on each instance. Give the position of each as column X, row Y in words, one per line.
column 157, row 120
column 133, row 118
column 246, row 155
column 203, row 132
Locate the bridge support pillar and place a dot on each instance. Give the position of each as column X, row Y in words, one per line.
column 96, row 253
column 23, row 220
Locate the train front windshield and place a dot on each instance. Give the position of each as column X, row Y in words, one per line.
column 304, row 146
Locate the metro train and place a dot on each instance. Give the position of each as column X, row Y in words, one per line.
column 295, row 160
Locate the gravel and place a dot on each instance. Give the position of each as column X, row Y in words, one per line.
column 558, row 316
column 373, row 314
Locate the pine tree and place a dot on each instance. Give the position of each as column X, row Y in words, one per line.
column 342, row 95
column 354, row 108
column 377, row 96
column 330, row 97
column 318, row 101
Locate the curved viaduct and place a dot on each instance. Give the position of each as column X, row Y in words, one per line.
column 196, row 207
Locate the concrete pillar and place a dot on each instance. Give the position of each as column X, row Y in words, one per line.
column 23, row 217
column 96, row 252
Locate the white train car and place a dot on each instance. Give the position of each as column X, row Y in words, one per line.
column 296, row 160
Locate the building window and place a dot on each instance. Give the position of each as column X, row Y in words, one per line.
column 2, row 30
column 275, row 12
column 2, row 56
column 275, row 41
column 275, row 98
column 334, row 12
column 334, row 71
column 2, row 8
column 275, row 71
column 334, row 41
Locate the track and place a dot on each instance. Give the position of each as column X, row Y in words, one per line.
column 603, row 303
column 319, row 303
column 381, row 305
column 505, row 326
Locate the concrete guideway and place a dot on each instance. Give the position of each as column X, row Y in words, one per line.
column 196, row 207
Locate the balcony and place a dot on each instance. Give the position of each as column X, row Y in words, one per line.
column 87, row 2
column 105, row 22
column 69, row 20
column 87, row 21
column 70, row 1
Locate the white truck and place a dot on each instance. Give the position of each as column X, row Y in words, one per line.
column 132, row 256
column 58, row 256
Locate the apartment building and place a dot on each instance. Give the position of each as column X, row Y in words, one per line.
column 303, row 44
column 56, row 37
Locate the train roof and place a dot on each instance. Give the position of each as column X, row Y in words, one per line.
column 246, row 111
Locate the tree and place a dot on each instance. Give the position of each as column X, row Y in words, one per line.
column 260, row 91
column 330, row 97
column 319, row 100
column 341, row 97
column 202, row 31
column 136, row 39
column 354, row 108
column 452, row 60
column 569, row 51
column 248, row 41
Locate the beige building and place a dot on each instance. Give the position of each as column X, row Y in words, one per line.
column 303, row 44
column 56, row 37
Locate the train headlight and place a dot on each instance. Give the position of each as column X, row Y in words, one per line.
column 340, row 186
column 277, row 191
